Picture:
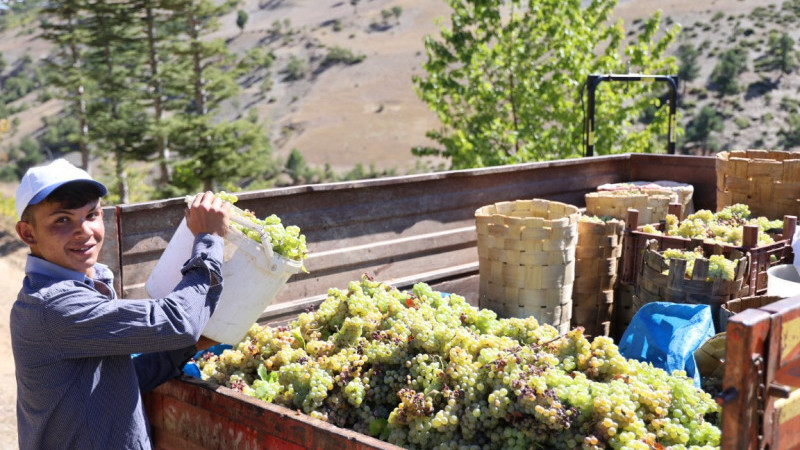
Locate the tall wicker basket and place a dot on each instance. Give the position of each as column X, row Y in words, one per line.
column 596, row 260
column 766, row 181
column 526, row 253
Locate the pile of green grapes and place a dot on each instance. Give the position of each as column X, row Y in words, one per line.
column 719, row 267
column 424, row 370
column 724, row 227
column 286, row 241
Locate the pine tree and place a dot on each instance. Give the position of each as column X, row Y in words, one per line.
column 724, row 77
column 61, row 24
column 700, row 129
column 115, row 60
column 213, row 153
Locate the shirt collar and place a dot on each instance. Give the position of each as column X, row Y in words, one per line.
column 41, row 266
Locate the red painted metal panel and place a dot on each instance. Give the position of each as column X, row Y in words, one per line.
column 747, row 335
column 191, row 414
column 782, row 402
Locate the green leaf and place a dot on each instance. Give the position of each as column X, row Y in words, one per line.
column 377, row 426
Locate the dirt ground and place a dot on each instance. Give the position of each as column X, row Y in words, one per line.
column 12, row 264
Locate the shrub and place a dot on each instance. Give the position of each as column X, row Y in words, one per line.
column 296, row 69
column 741, row 122
column 337, row 55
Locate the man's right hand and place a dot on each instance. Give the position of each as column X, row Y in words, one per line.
column 208, row 214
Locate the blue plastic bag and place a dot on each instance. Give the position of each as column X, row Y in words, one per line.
column 191, row 368
column 667, row 335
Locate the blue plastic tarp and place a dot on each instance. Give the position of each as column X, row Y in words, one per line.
column 667, row 335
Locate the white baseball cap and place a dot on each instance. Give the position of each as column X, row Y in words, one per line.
column 40, row 181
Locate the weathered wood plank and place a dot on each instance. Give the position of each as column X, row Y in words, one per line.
column 190, row 413
column 390, row 227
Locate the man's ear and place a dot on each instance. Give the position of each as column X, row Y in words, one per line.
column 25, row 232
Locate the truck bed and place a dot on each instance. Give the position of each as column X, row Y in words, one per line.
column 402, row 230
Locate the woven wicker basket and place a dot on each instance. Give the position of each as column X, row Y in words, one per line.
column 766, row 181
column 623, row 309
column 735, row 306
column 596, row 260
column 684, row 191
column 652, row 204
column 653, row 285
column 526, row 253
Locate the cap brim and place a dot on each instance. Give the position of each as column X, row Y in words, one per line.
column 41, row 195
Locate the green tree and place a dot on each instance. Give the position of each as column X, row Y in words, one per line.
column 61, row 25
column 397, row 11
column 724, row 76
column 700, row 129
column 782, row 55
column 688, row 67
column 213, row 153
column 241, row 19
column 789, row 136
column 506, row 82
column 160, row 38
column 115, row 59
column 297, row 168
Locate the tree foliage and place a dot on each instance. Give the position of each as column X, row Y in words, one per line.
column 725, row 76
column 241, row 19
column 701, row 127
column 145, row 83
column 688, row 68
column 782, row 55
column 212, row 153
column 505, row 79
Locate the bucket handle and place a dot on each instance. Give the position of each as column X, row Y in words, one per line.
column 238, row 217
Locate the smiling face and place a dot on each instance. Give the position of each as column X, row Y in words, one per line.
column 68, row 237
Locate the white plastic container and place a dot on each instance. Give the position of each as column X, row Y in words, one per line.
column 783, row 281
column 252, row 276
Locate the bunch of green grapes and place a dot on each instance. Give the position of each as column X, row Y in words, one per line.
column 596, row 219
column 286, row 241
column 690, row 257
column 424, row 370
column 719, row 267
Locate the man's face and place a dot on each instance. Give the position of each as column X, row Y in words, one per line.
column 70, row 238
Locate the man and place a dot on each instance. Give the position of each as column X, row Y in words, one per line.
column 77, row 385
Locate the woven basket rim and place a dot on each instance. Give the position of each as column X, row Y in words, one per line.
column 570, row 210
column 764, row 154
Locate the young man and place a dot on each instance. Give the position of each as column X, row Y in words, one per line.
column 72, row 338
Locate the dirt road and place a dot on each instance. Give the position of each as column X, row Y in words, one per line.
column 12, row 264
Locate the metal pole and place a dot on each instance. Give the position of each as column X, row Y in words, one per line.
column 591, row 85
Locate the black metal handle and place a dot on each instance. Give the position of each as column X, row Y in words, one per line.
column 594, row 80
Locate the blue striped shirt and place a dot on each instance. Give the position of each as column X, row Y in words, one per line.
column 77, row 385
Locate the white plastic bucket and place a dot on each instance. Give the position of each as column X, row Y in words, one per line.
column 783, row 281
column 252, row 276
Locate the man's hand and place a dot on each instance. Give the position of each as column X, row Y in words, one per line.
column 205, row 343
column 208, row 214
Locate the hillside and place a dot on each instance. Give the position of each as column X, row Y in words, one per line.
column 368, row 112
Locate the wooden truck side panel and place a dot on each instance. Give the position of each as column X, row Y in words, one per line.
column 406, row 229
column 782, row 384
column 191, row 413
column 403, row 230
